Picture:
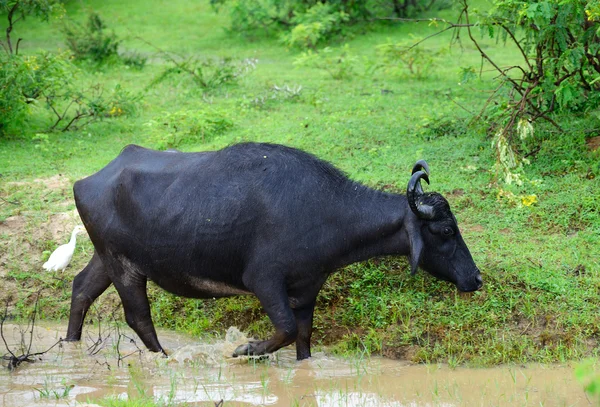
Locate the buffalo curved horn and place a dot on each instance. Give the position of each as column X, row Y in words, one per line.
column 414, row 192
column 420, row 165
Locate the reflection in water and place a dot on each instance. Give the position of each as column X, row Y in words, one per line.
column 203, row 373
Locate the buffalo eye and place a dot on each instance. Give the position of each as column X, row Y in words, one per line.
column 447, row 231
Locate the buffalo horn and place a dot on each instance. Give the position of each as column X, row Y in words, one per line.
column 414, row 191
column 420, row 165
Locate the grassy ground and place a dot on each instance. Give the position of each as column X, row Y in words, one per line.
column 540, row 263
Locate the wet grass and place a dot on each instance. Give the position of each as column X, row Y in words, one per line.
column 540, row 263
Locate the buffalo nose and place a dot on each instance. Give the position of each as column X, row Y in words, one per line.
column 479, row 281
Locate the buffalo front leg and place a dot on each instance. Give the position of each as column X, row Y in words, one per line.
column 274, row 300
column 87, row 286
column 137, row 310
column 304, row 320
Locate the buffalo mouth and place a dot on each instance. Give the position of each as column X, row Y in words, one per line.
column 473, row 285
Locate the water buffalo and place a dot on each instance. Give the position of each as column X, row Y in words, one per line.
column 252, row 218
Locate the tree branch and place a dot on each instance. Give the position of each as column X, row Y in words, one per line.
column 17, row 46
column 10, row 25
column 510, row 33
column 13, row 360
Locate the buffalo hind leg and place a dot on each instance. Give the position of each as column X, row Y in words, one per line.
column 87, row 286
column 137, row 310
column 275, row 301
column 304, row 320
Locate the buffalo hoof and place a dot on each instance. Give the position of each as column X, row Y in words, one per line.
column 249, row 349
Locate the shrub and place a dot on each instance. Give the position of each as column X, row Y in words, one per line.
column 91, row 42
column 30, row 83
column 405, row 57
column 185, row 126
column 206, row 73
column 134, row 60
column 38, row 88
column 17, row 77
column 80, row 107
column 340, row 64
column 319, row 23
column 558, row 41
column 306, row 23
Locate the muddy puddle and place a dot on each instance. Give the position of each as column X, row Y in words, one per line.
column 202, row 374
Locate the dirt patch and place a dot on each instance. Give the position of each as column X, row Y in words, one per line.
column 27, row 241
column 58, row 226
column 12, row 225
column 468, row 228
column 593, row 143
column 54, row 182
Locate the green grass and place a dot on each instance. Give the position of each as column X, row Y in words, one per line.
column 540, row 263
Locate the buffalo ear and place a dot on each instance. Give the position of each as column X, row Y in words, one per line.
column 416, row 248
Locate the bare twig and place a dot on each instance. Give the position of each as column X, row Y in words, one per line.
column 58, row 115
column 459, row 105
column 485, row 56
column 17, row 46
column 10, row 25
column 512, row 35
column 177, row 63
column 78, row 115
column 131, row 340
column 2, row 329
column 423, row 20
column 101, row 342
column 429, row 36
column 13, row 360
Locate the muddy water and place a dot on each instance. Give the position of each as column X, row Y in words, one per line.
column 200, row 374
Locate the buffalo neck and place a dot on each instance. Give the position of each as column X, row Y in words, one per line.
column 375, row 226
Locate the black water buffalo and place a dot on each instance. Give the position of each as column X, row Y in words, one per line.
column 252, row 218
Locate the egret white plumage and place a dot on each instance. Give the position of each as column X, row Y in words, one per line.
column 61, row 257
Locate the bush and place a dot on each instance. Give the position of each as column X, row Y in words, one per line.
column 91, row 42
column 134, row 60
column 306, row 23
column 405, row 57
column 26, row 81
column 317, row 24
column 15, row 83
column 38, row 89
column 185, row 126
column 558, row 41
column 564, row 37
column 339, row 64
column 206, row 73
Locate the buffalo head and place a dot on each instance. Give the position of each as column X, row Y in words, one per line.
column 436, row 244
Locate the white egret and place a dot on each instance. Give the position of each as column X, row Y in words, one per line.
column 61, row 257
